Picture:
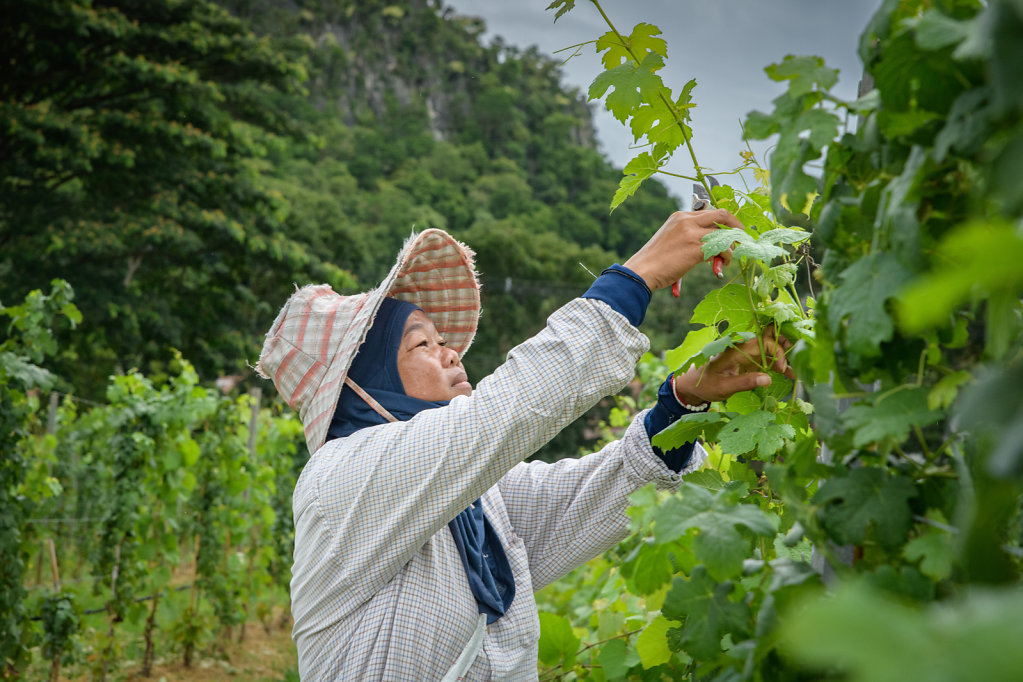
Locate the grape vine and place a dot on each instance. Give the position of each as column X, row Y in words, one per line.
column 863, row 522
column 157, row 501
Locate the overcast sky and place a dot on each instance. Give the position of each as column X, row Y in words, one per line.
column 723, row 44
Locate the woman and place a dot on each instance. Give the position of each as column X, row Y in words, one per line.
column 421, row 535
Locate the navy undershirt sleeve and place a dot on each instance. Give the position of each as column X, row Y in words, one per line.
column 661, row 416
column 624, row 291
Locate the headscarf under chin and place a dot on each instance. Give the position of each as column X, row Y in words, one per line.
column 375, row 370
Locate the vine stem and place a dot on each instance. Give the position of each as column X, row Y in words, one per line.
column 553, row 672
column 700, row 177
column 753, row 309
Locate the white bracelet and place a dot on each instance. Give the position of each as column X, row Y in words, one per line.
column 692, row 408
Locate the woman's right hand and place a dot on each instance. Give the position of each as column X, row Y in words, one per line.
column 675, row 248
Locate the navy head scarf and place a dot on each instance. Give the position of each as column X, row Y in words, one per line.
column 375, row 370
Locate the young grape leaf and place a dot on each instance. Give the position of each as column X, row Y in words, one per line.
column 692, row 345
column 866, row 286
column 862, row 498
column 709, row 479
column 779, row 277
column 891, row 415
column 758, row 250
column 652, row 643
column 934, row 550
column 641, row 41
column 731, row 302
column 706, row 612
column 805, row 73
column 945, row 391
column 636, row 171
column 668, row 131
column 715, row 515
column 562, row 6
column 784, row 235
column 632, row 83
column 719, row 240
column 754, row 431
column 744, row 402
column 689, row 429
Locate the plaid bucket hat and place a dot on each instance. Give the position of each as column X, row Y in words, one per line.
column 311, row 345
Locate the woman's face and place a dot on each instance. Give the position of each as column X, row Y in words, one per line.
column 429, row 370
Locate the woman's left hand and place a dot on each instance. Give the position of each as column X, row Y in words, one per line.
column 735, row 370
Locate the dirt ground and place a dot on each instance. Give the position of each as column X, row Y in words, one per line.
column 262, row 657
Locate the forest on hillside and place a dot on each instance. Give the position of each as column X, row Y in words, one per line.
column 182, row 165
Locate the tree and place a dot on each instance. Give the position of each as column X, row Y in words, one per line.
column 131, row 135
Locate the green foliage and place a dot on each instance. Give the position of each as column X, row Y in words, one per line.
column 894, row 460
column 306, row 152
column 24, row 481
column 164, row 475
column 869, row 637
column 131, row 132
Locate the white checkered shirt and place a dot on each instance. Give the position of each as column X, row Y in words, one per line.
column 379, row 591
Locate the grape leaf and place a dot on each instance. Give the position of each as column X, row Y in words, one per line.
column 891, row 415
column 15, row 368
column 688, row 429
column 719, row 240
column 616, row 658
column 652, row 643
column 668, row 130
column 862, row 498
column 706, row 478
column 692, row 345
column 934, row 551
column 779, row 277
column 762, row 248
column 650, row 569
column 784, row 235
column 759, row 250
column 732, row 303
column 945, row 391
column 935, row 30
column 804, row 73
column 866, row 286
column 754, row 431
column 718, row 544
column 706, row 612
column 562, row 7
column 641, row 41
column 558, row 644
column 632, row 83
column 979, row 257
column 635, row 172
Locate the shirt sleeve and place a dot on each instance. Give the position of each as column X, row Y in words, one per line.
column 382, row 492
column 666, row 412
column 572, row 510
column 622, row 289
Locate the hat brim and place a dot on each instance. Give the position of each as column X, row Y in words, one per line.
column 433, row 271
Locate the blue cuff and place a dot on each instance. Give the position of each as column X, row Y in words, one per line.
column 665, row 413
column 624, row 291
